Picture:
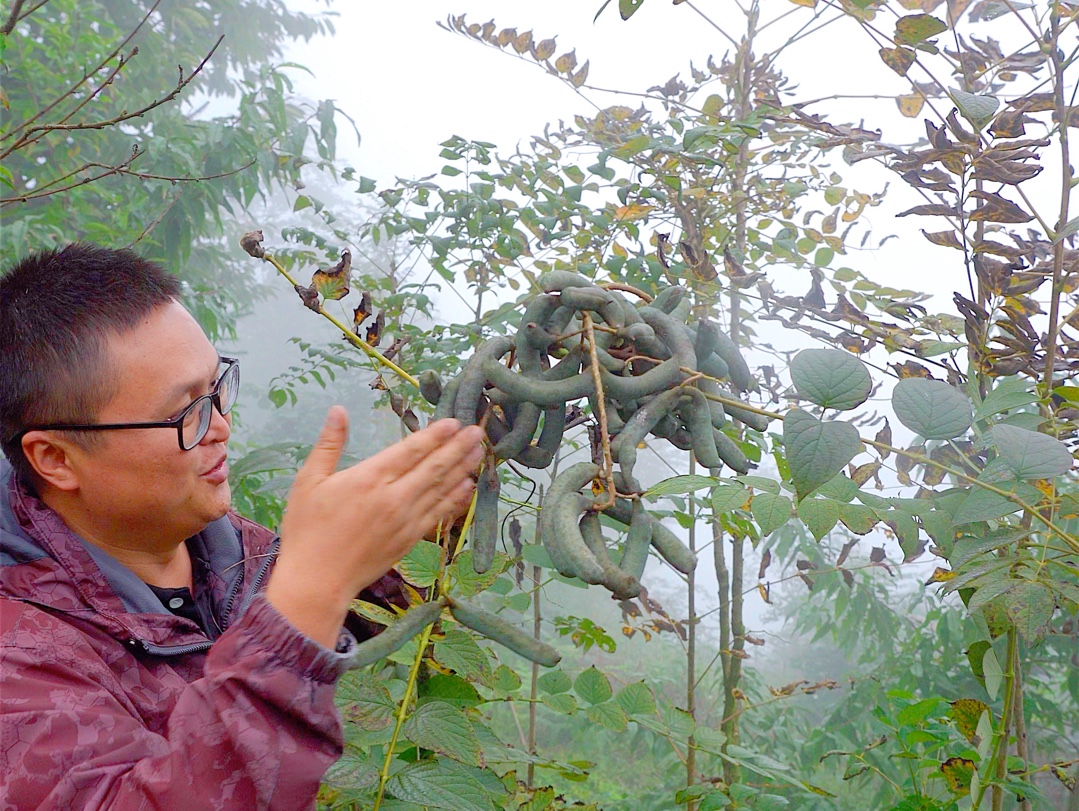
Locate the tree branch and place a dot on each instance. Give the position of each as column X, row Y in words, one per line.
column 13, row 18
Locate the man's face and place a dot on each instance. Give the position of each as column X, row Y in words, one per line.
column 141, row 479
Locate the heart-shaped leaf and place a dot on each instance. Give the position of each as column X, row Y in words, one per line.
column 817, row 451
column 771, row 511
column 1030, row 454
column 931, row 408
column 831, row 378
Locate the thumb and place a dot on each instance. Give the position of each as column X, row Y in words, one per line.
column 322, row 461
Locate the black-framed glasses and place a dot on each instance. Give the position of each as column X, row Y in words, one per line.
column 191, row 424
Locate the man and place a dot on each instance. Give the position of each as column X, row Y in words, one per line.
column 156, row 650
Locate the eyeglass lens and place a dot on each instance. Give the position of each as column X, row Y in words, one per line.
column 197, row 420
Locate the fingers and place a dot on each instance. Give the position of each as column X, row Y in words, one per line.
column 322, row 461
column 445, row 466
column 402, row 457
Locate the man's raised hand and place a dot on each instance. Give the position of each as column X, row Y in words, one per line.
column 343, row 530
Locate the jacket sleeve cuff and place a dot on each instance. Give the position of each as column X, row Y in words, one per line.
column 272, row 632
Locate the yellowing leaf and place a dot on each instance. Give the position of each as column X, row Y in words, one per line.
column 545, row 49
column 966, row 712
column 910, row 106
column 566, row 62
column 632, row 212
column 806, row 3
column 940, row 576
column 958, row 773
column 581, row 76
column 898, row 59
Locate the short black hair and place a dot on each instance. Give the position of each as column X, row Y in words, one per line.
column 58, row 308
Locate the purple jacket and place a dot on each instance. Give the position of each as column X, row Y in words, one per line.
column 109, row 701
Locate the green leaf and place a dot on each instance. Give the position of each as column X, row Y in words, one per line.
column 1030, row 607
column 817, row 451
column 931, row 408
column 677, row 485
column 445, row 729
column 771, row 511
column 819, row 515
column 505, row 680
column 554, row 682
column 608, row 715
column 459, row 652
column 978, row 110
column 858, row 518
column 437, row 784
column 636, row 699
column 831, row 378
column 916, row 28
column 449, row 689
column 562, row 703
column 728, row 497
column 760, row 483
column 351, row 771
column 627, row 8
column 421, row 565
column 468, row 582
column 918, row 712
column 1008, row 393
column 364, row 700
column 592, row 686
column 1030, row 454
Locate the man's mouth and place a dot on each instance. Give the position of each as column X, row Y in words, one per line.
column 218, row 473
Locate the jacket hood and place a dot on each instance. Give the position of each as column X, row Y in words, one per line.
column 44, row 562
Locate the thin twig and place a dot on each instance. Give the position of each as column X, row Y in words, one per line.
column 13, row 18
column 604, row 434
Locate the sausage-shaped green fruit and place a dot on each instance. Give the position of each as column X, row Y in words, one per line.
column 497, row 629
column 697, row 417
column 554, row 281
column 621, row 584
column 637, row 429
column 758, row 422
column 520, row 435
column 638, row 541
column 473, row 377
column 485, row 521
column 705, row 338
column 446, row 402
column 541, row 454
column 542, row 392
column 672, row 549
column 394, row 637
column 596, row 299
column 740, row 375
column 430, row 386
column 714, row 366
column 669, row 297
column 716, row 410
column 558, row 529
column 730, row 453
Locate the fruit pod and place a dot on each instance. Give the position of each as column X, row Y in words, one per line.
column 541, row 454
column 558, row 322
column 619, row 583
column 705, row 339
column 730, row 453
column 554, row 281
column 500, row 631
column 637, row 429
column 395, row 636
column 620, row 511
column 558, row 528
column 638, row 541
column 715, row 410
column 485, row 521
column 714, row 366
column 446, row 402
column 669, row 297
column 520, row 435
column 697, row 417
column 496, row 427
column 740, row 375
column 430, row 386
column 671, row 548
column 473, row 378
column 758, row 422
column 597, row 300
column 542, row 392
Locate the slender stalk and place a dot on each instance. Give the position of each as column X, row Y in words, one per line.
column 1063, row 112
column 999, row 758
column 533, row 687
column 352, row 337
column 1021, row 748
column 691, row 646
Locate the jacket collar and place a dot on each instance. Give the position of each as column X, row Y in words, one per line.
column 46, row 563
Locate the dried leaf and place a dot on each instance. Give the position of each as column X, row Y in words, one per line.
column 374, row 332
column 309, row 297
column 544, row 50
column 580, row 77
column 333, row 283
column 910, row 105
column 251, row 242
column 566, row 62
column 363, row 312
column 946, row 239
column 766, row 561
column 898, row 59
column 997, row 209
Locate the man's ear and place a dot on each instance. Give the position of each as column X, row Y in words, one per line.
column 50, row 457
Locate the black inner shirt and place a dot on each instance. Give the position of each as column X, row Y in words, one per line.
column 181, row 603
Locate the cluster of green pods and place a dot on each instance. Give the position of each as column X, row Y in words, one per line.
column 657, row 375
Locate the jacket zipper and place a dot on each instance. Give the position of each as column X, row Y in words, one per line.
column 195, row 647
